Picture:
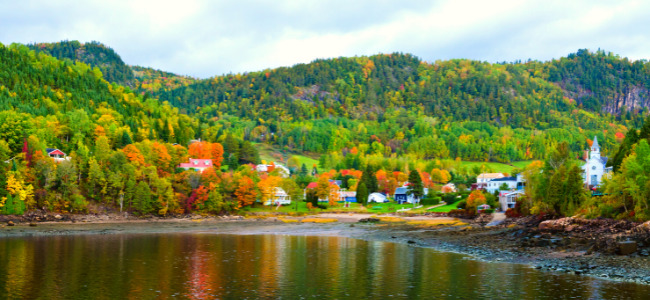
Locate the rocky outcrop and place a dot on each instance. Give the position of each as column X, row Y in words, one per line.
column 632, row 98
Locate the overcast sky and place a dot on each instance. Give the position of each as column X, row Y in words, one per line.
column 205, row 38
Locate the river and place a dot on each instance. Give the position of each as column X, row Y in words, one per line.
column 270, row 266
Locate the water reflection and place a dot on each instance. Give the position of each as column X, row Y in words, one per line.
column 207, row 266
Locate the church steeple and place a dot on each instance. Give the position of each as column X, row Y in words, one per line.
column 595, row 149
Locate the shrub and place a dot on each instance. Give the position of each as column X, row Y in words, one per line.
column 461, row 205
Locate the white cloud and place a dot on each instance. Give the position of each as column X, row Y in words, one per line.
column 205, row 38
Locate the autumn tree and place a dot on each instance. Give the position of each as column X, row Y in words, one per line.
column 245, row 192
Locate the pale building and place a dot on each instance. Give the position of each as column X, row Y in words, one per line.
column 595, row 166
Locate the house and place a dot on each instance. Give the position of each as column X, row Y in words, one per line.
column 401, row 195
column 348, row 196
column 495, row 184
column 333, row 185
column 377, row 197
column 282, row 170
column 595, row 166
column 56, row 154
column 485, row 177
column 448, row 188
column 197, row 164
column 508, row 199
column 279, row 197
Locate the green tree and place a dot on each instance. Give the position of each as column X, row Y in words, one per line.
column 362, row 194
column 416, row 187
column 142, row 198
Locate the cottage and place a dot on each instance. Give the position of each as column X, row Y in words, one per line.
column 401, row 195
column 279, row 197
column 348, row 196
column 594, row 167
column 198, row 165
column 377, row 197
column 56, row 154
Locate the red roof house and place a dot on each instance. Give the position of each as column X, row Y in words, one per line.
column 197, row 164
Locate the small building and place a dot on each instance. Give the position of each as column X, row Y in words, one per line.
column 485, row 177
column 377, row 198
column 280, row 197
column 508, row 199
column 197, row 164
column 401, row 195
column 595, row 166
column 282, row 170
column 333, row 185
column 348, row 196
column 483, row 207
column 56, row 154
column 448, row 188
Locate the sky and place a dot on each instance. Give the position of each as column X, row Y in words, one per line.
column 203, row 38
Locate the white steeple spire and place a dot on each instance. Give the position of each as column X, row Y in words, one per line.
column 594, row 146
column 595, row 149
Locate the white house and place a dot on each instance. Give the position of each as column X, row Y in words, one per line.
column 594, row 167
column 485, row 177
column 377, row 197
column 279, row 197
column 56, row 154
column 495, row 184
column 508, row 199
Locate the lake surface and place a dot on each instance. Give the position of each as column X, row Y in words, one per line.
column 224, row 266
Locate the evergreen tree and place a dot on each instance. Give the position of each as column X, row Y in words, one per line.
column 248, row 154
column 645, row 129
column 362, row 194
column 575, row 192
column 624, row 149
column 303, row 170
column 368, row 177
column 416, row 187
column 125, row 140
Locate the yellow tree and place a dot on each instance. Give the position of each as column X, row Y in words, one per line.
column 267, row 187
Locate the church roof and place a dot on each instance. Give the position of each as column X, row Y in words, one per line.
column 595, row 144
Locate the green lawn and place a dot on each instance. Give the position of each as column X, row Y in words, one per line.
column 444, row 208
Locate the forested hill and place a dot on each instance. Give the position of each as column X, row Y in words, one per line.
column 526, row 95
column 94, row 54
column 68, row 104
column 396, row 104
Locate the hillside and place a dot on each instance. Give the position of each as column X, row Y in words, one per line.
column 67, row 104
column 398, row 104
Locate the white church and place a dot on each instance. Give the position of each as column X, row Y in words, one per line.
column 594, row 167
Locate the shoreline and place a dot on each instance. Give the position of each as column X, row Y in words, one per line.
column 572, row 252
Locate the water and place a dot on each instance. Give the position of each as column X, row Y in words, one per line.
column 211, row 266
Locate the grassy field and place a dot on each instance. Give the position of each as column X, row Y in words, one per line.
column 497, row 167
column 268, row 153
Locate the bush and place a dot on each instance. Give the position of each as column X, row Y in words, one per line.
column 430, row 201
column 487, row 211
column 462, row 205
column 512, row 213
